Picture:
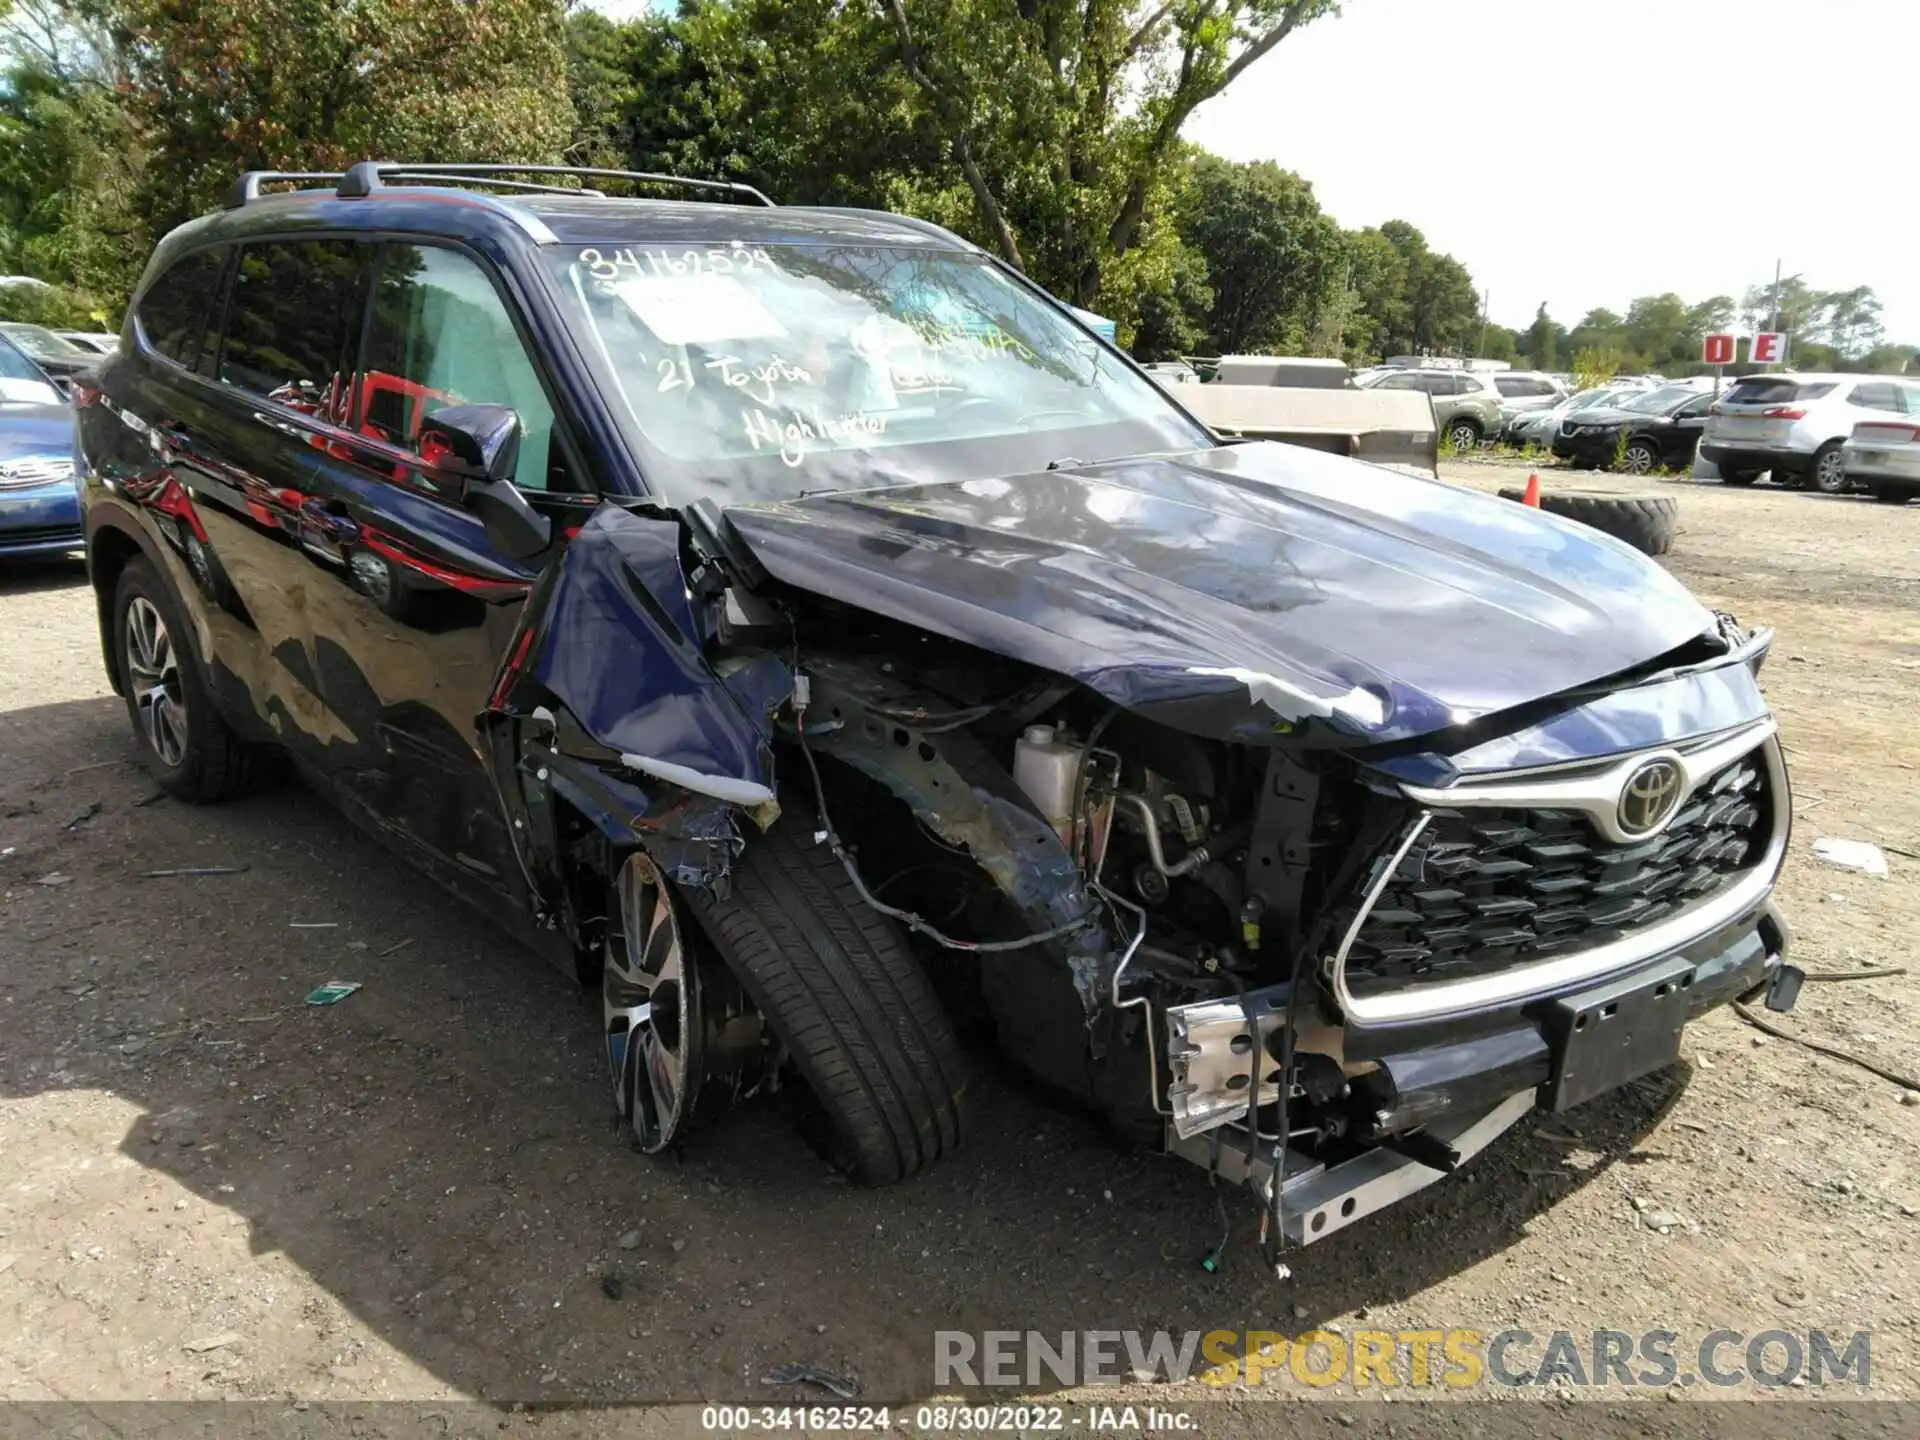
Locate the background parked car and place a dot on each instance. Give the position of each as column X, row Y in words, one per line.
column 1538, row 427
column 97, row 341
column 1525, row 391
column 1659, row 429
column 1882, row 457
column 1794, row 425
column 39, row 502
column 1466, row 407
column 59, row 358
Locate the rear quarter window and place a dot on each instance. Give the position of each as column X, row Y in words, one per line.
column 174, row 312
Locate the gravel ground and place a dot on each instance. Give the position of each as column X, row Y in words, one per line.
column 210, row 1190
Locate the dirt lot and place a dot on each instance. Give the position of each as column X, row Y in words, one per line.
column 419, row 1193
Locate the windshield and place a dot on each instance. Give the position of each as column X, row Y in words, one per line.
column 1658, row 402
column 21, row 381
column 42, row 343
column 1593, row 399
column 768, row 373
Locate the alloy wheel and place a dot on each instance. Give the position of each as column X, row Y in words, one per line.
column 1465, row 437
column 1638, row 460
column 1830, row 473
column 153, row 674
column 650, row 997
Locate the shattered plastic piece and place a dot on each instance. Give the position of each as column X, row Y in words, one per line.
column 1855, row 855
column 91, row 809
column 845, row 1386
column 56, row 878
column 721, row 787
column 333, row 992
column 195, row 870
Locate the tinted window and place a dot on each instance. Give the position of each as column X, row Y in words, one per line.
column 291, row 321
column 1521, row 387
column 1401, row 382
column 175, row 308
column 1440, row 384
column 1911, row 396
column 1880, row 396
column 1774, row 390
column 442, row 336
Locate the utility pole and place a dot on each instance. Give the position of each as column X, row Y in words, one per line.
column 1776, row 296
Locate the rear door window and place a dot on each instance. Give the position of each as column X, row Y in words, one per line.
column 174, row 312
column 292, row 322
column 442, row 336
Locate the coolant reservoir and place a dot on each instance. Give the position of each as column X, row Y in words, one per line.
column 1046, row 767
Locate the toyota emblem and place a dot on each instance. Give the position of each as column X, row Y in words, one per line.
column 1649, row 797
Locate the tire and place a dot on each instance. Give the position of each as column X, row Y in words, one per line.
column 1639, row 458
column 1828, row 474
column 1739, row 477
column 191, row 752
column 1646, row 522
column 839, row 987
column 1464, row 432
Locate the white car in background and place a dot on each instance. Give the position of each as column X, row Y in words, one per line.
column 1882, row 457
column 1794, row 425
column 1537, row 427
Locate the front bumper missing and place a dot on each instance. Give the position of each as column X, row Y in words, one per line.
column 1456, row 1083
column 1319, row 1199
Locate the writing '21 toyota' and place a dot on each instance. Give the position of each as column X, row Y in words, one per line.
column 807, row 633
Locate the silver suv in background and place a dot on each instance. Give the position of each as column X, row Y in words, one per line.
column 1793, row 425
column 1466, row 406
column 1523, row 392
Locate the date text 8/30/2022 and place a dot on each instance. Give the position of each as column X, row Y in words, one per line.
column 963, row 1419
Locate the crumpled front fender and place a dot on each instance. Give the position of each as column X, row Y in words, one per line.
column 609, row 701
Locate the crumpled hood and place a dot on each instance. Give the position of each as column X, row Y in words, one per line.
column 1245, row 591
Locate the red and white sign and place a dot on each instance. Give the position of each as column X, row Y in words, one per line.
column 1769, row 347
column 1718, row 350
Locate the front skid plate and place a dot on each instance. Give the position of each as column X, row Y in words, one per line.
column 1318, row 1200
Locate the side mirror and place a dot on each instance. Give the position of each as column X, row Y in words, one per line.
column 479, row 446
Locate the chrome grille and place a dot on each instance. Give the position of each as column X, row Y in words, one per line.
column 1484, row 890
column 34, row 470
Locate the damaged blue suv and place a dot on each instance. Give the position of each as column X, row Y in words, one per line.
column 807, row 633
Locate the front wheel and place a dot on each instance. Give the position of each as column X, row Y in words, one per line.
column 840, row 988
column 1463, row 435
column 1829, row 469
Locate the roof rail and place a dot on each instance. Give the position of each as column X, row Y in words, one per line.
column 366, row 177
column 246, row 189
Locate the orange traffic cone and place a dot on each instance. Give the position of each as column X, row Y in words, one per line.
column 1532, row 497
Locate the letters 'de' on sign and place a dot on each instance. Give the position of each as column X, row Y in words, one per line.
column 1718, row 350
column 1769, row 347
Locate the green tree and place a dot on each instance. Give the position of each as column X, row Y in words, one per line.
column 68, row 162
column 1542, row 341
column 1063, row 117
column 1272, row 257
column 317, row 84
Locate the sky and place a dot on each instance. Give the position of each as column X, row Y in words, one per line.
column 1582, row 154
